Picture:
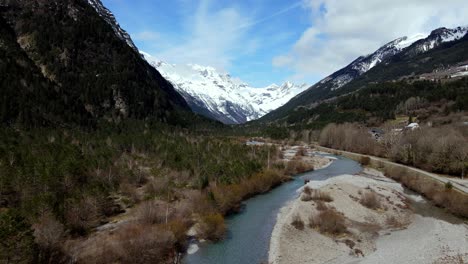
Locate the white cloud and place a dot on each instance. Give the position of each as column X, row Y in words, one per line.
column 214, row 37
column 147, row 36
column 342, row 30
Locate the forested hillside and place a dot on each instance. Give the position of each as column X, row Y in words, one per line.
column 62, row 63
column 402, row 65
column 378, row 103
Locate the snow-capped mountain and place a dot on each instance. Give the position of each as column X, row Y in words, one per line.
column 416, row 44
column 365, row 63
column 401, row 50
column 436, row 38
column 221, row 97
column 107, row 15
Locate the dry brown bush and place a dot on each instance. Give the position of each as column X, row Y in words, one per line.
column 297, row 222
column 306, row 197
column 370, row 200
column 134, row 242
column 81, row 216
column 441, row 150
column 365, row 160
column 349, row 137
column 212, row 227
column 393, row 222
column 179, row 228
column 437, row 149
column 198, row 202
column 130, row 191
column 296, row 166
column 328, row 221
column 228, row 197
column 157, row 187
column 49, row 235
column 455, row 201
column 152, row 212
column 144, row 244
column 321, row 206
column 318, row 195
column 395, row 172
column 301, row 152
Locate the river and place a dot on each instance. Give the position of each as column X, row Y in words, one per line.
column 249, row 231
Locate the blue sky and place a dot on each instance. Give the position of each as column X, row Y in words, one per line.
column 272, row 41
column 239, row 37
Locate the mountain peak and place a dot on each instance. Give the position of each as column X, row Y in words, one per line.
column 222, row 97
column 405, row 41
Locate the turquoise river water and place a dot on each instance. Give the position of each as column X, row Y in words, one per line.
column 249, row 231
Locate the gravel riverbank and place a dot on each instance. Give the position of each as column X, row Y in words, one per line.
column 395, row 231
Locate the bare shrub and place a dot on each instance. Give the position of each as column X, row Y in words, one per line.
column 212, row 227
column 49, row 235
column 81, row 215
column 306, row 197
column 395, row 172
column 144, row 244
column 451, row 199
column 297, row 222
column 328, row 221
column 301, row 152
column 296, row 166
column 157, row 187
column 349, row 137
column 318, row 195
column 130, row 191
column 392, row 221
column 151, row 212
column 307, row 190
column 321, row 206
column 199, row 202
column 370, row 200
column 134, row 242
column 179, row 228
column 365, row 160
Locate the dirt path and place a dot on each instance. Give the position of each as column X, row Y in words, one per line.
column 459, row 184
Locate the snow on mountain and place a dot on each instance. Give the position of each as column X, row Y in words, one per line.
column 436, row 38
column 219, row 96
column 407, row 41
column 107, row 15
column 365, row 63
column 415, row 44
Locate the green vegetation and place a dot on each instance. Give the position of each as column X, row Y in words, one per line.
column 17, row 240
column 377, row 103
column 61, row 69
column 300, row 110
column 72, row 175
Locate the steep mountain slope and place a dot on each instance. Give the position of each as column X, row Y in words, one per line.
column 221, row 97
column 68, row 51
column 365, row 63
column 401, row 57
column 107, row 15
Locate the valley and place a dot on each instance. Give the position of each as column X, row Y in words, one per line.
column 139, row 146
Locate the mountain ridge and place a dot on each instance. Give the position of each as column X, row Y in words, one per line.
column 68, row 43
column 220, row 96
column 342, row 81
